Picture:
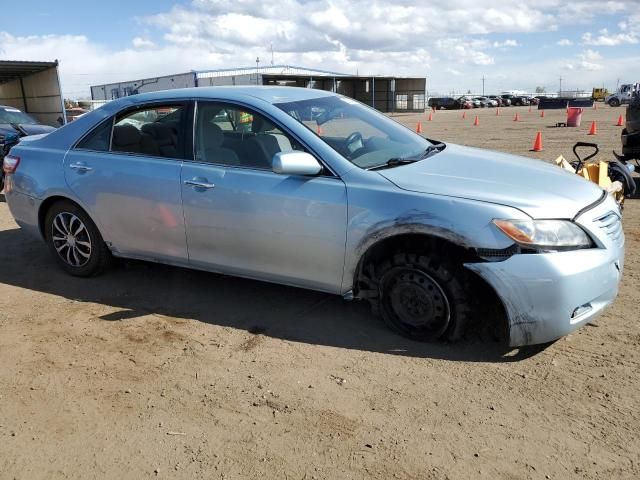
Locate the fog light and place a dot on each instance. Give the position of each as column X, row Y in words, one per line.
column 581, row 310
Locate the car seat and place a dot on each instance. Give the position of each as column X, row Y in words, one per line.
column 210, row 147
column 126, row 138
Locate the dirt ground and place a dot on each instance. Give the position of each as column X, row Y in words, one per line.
column 156, row 372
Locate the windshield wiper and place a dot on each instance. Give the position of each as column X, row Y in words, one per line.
column 435, row 148
column 394, row 162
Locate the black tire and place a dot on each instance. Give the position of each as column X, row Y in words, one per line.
column 618, row 171
column 68, row 230
column 422, row 298
column 614, row 102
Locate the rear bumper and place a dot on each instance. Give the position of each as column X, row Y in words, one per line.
column 24, row 210
column 547, row 296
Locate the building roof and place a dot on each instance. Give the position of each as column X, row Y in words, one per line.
column 269, row 70
column 12, row 69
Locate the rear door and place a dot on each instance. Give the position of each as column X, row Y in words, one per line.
column 243, row 219
column 126, row 173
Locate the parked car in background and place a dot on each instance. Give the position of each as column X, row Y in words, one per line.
column 444, row 103
column 488, row 102
column 369, row 210
column 502, row 102
column 533, row 100
column 465, row 102
column 15, row 124
column 516, row 100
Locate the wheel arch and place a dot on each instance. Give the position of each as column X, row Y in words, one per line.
column 48, row 202
column 490, row 303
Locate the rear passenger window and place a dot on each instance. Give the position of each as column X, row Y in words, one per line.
column 155, row 131
column 231, row 135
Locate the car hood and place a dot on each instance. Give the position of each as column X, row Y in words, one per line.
column 539, row 189
column 28, row 128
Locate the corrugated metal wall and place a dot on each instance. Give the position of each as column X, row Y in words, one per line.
column 37, row 94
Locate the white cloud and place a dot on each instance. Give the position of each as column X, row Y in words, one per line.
column 139, row 42
column 609, row 40
column 443, row 40
column 506, row 44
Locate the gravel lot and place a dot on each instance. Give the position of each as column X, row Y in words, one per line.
column 157, row 372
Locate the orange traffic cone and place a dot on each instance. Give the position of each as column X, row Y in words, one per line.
column 497, row 111
column 595, row 106
column 419, row 127
column 542, row 113
column 430, row 116
column 594, row 129
column 537, row 144
column 516, row 118
column 476, row 122
column 464, row 114
column 620, row 122
column 529, row 108
column 319, row 130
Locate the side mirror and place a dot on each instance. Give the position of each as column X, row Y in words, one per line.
column 295, row 163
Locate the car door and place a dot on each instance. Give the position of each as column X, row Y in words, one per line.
column 242, row 218
column 126, row 173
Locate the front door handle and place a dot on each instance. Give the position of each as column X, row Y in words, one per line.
column 199, row 184
column 81, row 167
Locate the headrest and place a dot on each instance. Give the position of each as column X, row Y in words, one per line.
column 260, row 124
column 212, row 134
column 158, row 130
column 125, row 135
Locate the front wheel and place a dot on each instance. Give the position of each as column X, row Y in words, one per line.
column 74, row 240
column 614, row 102
column 422, row 298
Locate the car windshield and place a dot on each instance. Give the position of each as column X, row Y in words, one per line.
column 359, row 133
column 13, row 115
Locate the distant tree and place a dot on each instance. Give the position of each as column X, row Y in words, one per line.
column 540, row 90
column 469, row 92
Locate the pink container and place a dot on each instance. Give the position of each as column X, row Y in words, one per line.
column 574, row 116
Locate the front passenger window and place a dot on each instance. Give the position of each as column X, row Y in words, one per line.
column 155, row 131
column 232, row 135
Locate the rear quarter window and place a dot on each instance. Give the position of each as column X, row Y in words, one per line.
column 98, row 139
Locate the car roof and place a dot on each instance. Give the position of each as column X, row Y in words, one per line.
column 271, row 94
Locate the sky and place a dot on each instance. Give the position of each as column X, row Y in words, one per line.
column 513, row 44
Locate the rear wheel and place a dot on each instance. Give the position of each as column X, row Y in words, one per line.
column 423, row 298
column 74, row 240
column 614, row 102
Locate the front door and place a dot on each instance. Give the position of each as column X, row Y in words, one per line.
column 243, row 219
column 126, row 173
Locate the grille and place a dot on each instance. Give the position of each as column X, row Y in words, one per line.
column 612, row 225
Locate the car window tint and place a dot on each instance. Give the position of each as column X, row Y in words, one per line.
column 98, row 139
column 232, row 135
column 155, row 131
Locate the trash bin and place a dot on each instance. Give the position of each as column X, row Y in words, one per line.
column 574, row 116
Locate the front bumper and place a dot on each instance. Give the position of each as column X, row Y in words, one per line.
column 547, row 296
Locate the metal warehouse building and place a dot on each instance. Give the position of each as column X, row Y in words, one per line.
column 385, row 93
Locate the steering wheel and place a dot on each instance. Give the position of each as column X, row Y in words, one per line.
column 353, row 138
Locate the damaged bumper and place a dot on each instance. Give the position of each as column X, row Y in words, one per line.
column 549, row 295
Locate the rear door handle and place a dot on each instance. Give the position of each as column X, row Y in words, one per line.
column 81, row 167
column 199, row 184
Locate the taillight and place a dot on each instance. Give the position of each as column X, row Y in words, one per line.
column 10, row 164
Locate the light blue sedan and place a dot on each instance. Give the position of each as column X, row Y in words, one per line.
column 308, row 188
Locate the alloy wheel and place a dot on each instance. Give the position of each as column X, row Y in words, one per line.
column 71, row 239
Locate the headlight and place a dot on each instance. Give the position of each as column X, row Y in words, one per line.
column 545, row 235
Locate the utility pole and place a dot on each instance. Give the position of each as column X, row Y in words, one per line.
column 483, row 79
column 560, row 92
column 257, row 70
column 271, row 54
